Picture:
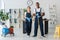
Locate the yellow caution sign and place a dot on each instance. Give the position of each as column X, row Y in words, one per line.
column 57, row 32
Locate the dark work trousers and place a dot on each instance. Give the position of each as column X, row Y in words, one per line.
column 28, row 26
column 36, row 26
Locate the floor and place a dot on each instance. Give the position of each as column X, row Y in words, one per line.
column 20, row 36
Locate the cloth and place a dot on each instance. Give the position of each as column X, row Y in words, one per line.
column 28, row 16
column 28, row 19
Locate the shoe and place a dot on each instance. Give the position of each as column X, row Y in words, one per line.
column 34, row 36
column 28, row 34
column 24, row 32
column 43, row 36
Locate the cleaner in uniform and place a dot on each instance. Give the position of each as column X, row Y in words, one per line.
column 38, row 17
column 28, row 21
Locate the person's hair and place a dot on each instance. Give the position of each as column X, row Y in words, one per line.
column 38, row 4
column 28, row 7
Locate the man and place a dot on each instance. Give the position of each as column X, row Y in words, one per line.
column 38, row 13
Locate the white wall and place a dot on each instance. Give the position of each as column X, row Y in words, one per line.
column 58, row 11
column 16, row 4
column 1, row 4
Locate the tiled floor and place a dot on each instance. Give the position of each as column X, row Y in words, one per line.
column 20, row 36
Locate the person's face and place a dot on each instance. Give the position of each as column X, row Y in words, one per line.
column 37, row 5
column 28, row 9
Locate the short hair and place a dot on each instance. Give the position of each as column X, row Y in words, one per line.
column 28, row 7
column 37, row 3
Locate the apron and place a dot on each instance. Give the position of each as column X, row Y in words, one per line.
column 38, row 17
column 28, row 23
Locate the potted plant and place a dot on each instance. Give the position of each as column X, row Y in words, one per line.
column 25, row 10
column 3, row 16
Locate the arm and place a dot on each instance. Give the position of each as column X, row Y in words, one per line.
column 24, row 16
column 34, row 13
column 31, row 16
column 42, row 12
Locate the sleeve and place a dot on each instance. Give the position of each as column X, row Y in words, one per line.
column 34, row 11
column 42, row 10
column 25, row 14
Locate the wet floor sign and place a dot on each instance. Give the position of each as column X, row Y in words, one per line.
column 57, row 32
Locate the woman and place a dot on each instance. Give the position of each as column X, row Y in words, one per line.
column 28, row 21
column 38, row 13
